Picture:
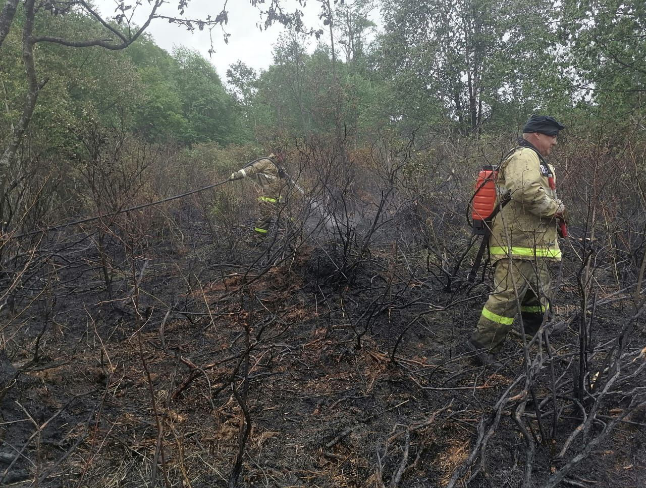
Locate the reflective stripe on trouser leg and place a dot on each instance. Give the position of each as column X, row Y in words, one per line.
column 527, row 279
column 267, row 212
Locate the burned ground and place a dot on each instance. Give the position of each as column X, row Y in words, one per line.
column 300, row 362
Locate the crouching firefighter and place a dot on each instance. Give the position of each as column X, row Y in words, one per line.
column 522, row 240
column 271, row 180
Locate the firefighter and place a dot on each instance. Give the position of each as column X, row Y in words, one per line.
column 271, row 179
column 523, row 241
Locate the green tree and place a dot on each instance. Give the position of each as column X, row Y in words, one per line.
column 243, row 83
column 159, row 116
column 115, row 33
column 209, row 110
column 458, row 62
column 606, row 52
column 353, row 26
column 284, row 98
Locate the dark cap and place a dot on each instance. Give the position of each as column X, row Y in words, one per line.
column 543, row 124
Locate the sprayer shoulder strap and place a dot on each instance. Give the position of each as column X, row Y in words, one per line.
column 503, row 200
column 484, row 245
column 502, row 166
column 545, row 168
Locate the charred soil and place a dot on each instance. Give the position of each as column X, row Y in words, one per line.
column 283, row 364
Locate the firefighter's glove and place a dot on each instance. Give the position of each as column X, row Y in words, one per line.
column 560, row 212
column 561, row 220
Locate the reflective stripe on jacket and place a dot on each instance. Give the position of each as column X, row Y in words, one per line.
column 526, row 228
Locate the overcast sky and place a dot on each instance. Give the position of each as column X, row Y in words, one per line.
column 247, row 43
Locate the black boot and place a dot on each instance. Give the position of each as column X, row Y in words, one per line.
column 481, row 354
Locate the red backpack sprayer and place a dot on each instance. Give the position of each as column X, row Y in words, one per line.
column 485, row 205
column 487, row 201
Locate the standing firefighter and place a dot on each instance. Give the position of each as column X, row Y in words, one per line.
column 271, row 178
column 523, row 240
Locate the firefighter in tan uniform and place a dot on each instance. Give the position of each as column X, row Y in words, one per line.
column 271, row 179
column 523, row 240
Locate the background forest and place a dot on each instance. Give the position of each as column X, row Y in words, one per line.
column 162, row 347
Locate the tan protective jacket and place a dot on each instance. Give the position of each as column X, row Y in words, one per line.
column 265, row 173
column 526, row 227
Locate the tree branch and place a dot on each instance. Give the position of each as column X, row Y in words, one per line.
column 107, row 44
column 6, row 18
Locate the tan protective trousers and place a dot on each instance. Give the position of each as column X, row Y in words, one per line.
column 269, row 209
column 519, row 286
column 267, row 215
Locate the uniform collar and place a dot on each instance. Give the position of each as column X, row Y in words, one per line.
column 525, row 143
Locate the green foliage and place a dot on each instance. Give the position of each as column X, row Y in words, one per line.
column 352, row 24
column 159, row 117
column 242, row 80
column 469, row 67
column 467, row 62
column 285, row 93
column 209, row 110
column 82, row 85
column 243, row 83
column 606, row 42
column 12, row 89
column 300, row 94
